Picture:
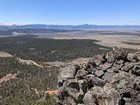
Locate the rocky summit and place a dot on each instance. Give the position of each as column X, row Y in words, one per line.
column 111, row 79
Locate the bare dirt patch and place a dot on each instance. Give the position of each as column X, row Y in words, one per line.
column 29, row 62
column 5, row 54
column 52, row 92
column 36, row 91
column 78, row 61
column 8, row 77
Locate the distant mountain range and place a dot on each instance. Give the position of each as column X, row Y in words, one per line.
column 85, row 26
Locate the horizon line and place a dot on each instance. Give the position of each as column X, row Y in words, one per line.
column 13, row 24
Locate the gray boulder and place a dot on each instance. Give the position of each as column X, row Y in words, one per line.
column 116, row 54
column 68, row 72
column 108, row 75
column 101, row 96
column 99, row 73
column 81, row 73
column 127, row 67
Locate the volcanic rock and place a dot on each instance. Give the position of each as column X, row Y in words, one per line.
column 113, row 79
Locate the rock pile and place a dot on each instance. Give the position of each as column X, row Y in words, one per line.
column 112, row 79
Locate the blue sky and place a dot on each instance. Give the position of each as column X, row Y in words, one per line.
column 99, row 12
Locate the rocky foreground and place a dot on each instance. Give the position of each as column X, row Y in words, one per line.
column 112, row 79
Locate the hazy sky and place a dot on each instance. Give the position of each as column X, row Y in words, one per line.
column 98, row 12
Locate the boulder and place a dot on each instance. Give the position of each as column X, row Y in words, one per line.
column 101, row 96
column 106, row 66
column 67, row 72
column 127, row 67
column 108, row 75
column 69, row 101
column 99, row 73
column 134, row 57
column 92, row 80
column 113, row 69
column 89, row 99
column 136, row 70
column 116, row 54
column 116, row 78
column 81, row 73
column 76, row 89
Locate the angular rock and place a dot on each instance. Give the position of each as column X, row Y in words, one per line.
column 89, row 99
column 118, row 66
column 133, row 57
column 83, row 86
column 107, row 76
column 69, row 101
column 136, row 84
column 92, row 80
column 90, row 67
column 99, row 96
column 81, row 73
column 127, row 67
column 121, row 84
column 99, row 73
column 106, row 66
column 116, row 78
column 120, row 62
column 74, row 84
column 76, row 89
column 98, row 59
column 67, row 72
column 136, row 70
column 116, row 54
column 113, row 69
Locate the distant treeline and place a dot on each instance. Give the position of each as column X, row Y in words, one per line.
column 28, row 31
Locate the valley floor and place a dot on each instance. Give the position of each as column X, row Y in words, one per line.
column 123, row 41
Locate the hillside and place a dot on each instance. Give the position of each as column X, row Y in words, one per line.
column 28, row 75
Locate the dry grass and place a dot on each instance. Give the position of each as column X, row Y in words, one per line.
column 108, row 40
